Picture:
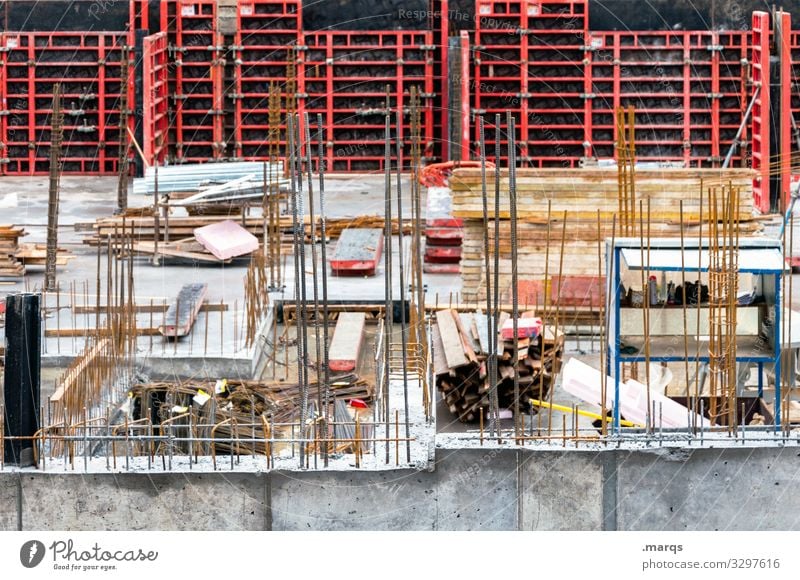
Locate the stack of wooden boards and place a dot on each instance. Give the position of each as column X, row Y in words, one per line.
column 575, row 197
column 460, row 353
column 182, row 243
column 10, row 265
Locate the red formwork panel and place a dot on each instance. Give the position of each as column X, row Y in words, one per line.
column 155, row 108
column 500, row 69
column 465, row 95
column 760, row 121
column 439, row 23
column 783, row 46
column 554, row 129
column 87, row 66
column 346, row 79
column 733, row 86
column 8, row 121
column 268, row 37
column 686, row 88
column 529, row 60
column 197, row 62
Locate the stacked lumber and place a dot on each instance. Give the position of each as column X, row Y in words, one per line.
column 10, row 266
column 461, row 345
column 36, row 255
column 580, row 193
column 143, row 227
column 584, row 191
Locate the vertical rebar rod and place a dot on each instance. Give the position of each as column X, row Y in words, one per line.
column 493, row 396
column 124, row 137
column 324, row 258
column 401, row 274
column 297, row 269
column 512, row 202
column 387, row 264
column 487, row 265
column 56, row 137
column 314, row 266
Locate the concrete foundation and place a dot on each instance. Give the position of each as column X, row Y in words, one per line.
column 468, row 489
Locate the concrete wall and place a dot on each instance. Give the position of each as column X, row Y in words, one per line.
column 467, row 490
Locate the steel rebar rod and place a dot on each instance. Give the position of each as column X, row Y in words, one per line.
column 401, row 274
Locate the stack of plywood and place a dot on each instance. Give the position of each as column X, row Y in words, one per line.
column 10, row 266
column 581, row 193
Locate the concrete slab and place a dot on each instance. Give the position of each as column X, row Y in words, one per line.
column 476, row 489
column 710, row 489
column 391, row 500
column 151, row 502
column 8, row 502
column 561, row 491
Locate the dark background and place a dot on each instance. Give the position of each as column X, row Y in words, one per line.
column 29, row 15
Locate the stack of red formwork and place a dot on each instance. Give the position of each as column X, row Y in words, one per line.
column 345, row 81
column 444, row 234
column 267, row 39
column 87, row 66
column 196, row 83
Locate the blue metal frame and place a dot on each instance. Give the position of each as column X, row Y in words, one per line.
column 614, row 256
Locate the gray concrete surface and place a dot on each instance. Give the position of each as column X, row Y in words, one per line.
column 478, row 489
column 152, row 502
column 731, row 489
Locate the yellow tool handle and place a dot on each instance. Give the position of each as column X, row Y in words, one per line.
column 589, row 414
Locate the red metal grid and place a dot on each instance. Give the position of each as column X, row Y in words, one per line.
column 439, row 23
column 196, row 83
column 529, row 60
column 155, row 108
column 87, row 65
column 268, row 30
column 783, row 48
column 760, row 121
column 686, row 88
column 346, row 75
column 466, row 96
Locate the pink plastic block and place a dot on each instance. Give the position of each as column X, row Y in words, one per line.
column 226, row 239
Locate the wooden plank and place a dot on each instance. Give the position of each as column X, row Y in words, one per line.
column 182, row 313
column 482, row 324
column 358, row 252
column 451, row 339
column 78, row 332
column 439, row 360
column 347, row 339
column 80, row 367
column 145, row 308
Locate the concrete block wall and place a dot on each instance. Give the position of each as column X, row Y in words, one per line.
column 468, row 489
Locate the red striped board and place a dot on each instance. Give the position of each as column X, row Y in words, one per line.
column 444, row 236
column 358, row 252
column 443, row 254
column 429, row 268
column 346, row 343
column 181, row 314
